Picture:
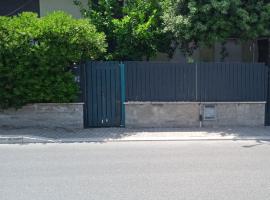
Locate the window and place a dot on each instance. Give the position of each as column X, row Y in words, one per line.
column 13, row 7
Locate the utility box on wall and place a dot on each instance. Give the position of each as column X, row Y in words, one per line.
column 209, row 112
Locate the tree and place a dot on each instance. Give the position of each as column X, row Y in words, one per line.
column 194, row 23
column 133, row 28
column 35, row 54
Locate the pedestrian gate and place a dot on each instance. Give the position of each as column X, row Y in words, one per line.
column 104, row 94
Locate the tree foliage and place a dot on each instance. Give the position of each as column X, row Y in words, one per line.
column 195, row 22
column 35, row 54
column 133, row 28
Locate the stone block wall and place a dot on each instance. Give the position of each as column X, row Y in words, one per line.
column 170, row 114
column 49, row 115
column 187, row 114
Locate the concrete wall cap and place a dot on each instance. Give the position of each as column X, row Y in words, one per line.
column 189, row 102
column 54, row 104
column 234, row 102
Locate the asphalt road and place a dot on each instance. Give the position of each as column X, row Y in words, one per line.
column 232, row 170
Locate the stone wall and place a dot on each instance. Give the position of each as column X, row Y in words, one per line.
column 139, row 114
column 49, row 115
column 187, row 114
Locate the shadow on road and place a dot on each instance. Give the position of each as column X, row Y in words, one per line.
column 102, row 135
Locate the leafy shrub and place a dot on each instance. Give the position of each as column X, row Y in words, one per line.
column 35, row 54
column 198, row 23
column 133, row 28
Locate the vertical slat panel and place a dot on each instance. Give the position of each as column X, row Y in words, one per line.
column 130, row 77
column 187, row 89
column 215, row 80
column 128, row 83
column 243, row 81
column 207, row 86
column 249, row 70
column 203, row 71
column 159, row 86
column 233, row 75
column 260, row 77
column 243, row 86
column 113, row 97
column 260, row 71
column 118, row 96
column 94, row 95
column 163, row 83
column 143, row 82
column 107, row 93
column 153, row 81
column 104, row 97
column 252, row 80
column 238, row 82
column 199, row 98
column 149, row 85
column 179, row 86
column 222, row 81
column 89, row 81
column 230, row 81
column 182, row 81
column 264, row 85
column 202, row 83
column 99, row 95
column 226, row 91
column 267, row 114
column 193, row 81
column 133, row 70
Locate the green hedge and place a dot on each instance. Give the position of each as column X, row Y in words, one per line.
column 35, row 54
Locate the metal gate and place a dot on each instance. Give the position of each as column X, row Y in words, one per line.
column 104, row 94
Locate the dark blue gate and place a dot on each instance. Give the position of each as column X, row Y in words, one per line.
column 103, row 96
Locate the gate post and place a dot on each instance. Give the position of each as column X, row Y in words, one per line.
column 83, row 86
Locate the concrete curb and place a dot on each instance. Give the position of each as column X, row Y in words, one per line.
column 33, row 140
column 23, row 140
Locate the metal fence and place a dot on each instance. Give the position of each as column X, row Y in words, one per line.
column 206, row 82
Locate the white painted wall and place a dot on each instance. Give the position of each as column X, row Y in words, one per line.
column 47, row 6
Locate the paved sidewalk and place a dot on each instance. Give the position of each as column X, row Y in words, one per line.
column 10, row 135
